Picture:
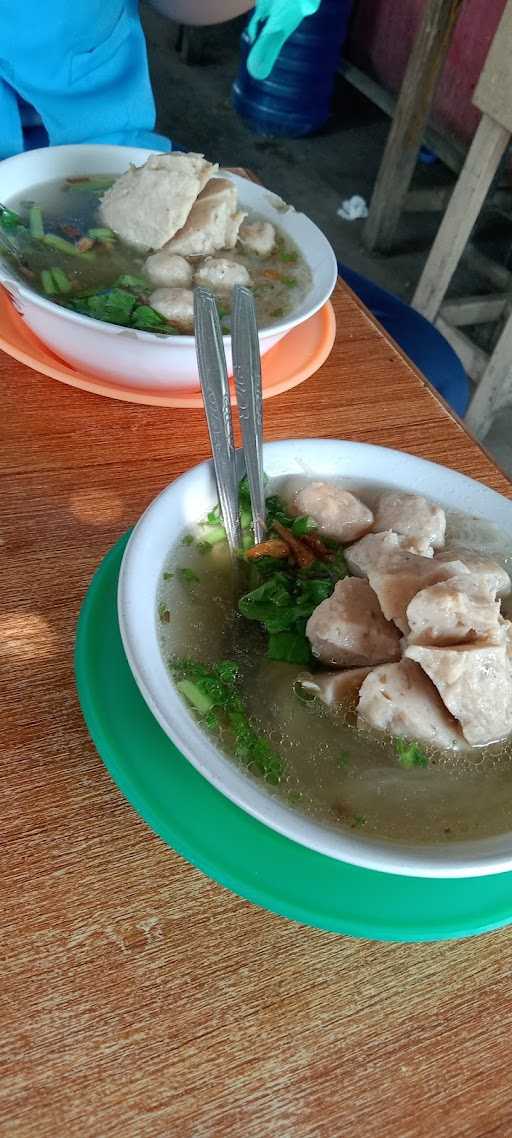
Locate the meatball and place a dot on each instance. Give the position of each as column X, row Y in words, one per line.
column 258, row 237
column 411, row 515
column 475, row 685
column 221, row 274
column 337, row 512
column 400, row 699
column 212, row 223
column 176, row 304
column 147, row 205
column 349, row 630
column 169, row 270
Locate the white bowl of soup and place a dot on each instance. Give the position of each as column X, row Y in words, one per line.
column 67, row 182
column 433, row 806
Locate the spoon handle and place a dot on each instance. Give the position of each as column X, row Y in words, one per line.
column 247, row 373
column 217, row 402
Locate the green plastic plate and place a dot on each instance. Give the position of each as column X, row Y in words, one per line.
column 230, row 846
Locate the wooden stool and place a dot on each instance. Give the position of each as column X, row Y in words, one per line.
column 493, row 96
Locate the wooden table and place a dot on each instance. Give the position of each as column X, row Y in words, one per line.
column 139, row 999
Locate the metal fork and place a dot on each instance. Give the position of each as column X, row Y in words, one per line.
column 217, row 401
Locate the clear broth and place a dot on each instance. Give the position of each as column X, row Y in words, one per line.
column 334, row 772
column 65, row 204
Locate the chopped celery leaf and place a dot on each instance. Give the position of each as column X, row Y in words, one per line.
column 303, row 525
column 409, row 753
column 212, row 693
column 113, row 305
column 291, row 647
column 187, row 576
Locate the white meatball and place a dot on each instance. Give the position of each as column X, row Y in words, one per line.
column 398, row 698
column 475, row 685
column 221, row 274
column 168, row 269
column 349, row 630
column 485, row 567
column 259, row 237
column 147, row 205
column 337, row 512
column 411, row 515
column 176, row 304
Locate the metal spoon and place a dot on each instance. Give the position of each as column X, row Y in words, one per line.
column 247, row 373
column 213, row 376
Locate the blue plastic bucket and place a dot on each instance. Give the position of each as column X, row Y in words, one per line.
column 296, row 98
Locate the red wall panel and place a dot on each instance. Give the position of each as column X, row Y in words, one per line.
column 381, row 37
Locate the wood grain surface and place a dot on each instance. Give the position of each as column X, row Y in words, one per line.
column 139, row 999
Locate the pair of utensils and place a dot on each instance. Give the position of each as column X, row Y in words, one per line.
column 213, row 376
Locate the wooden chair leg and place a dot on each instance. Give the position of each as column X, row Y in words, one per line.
column 483, row 159
column 409, row 121
column 495, row 387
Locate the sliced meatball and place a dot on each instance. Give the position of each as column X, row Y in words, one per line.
column 412, row 515
column 398, row 580
column 147, row 205
column 375, row 550
column 475, row 684
column 336, row 688
column 485, row 567
column 349, row 630
column 221, row 274
column 212, row 224
column 457, row 611
column 399, row 699
column 176, row 304
column 258, row 237
column 337, row 512
column 168, row 270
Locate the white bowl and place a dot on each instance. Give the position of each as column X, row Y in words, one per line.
column 126, row 355
column 184, row 503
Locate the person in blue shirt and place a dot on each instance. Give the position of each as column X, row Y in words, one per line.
column 74, row 71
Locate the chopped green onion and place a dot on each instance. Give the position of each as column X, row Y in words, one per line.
column 67, row 247
column 212, row 692
column 101, row 234
column 35, row 220
column 91, row 184
column 202, row 702
column 47, row 282
column 290, row 282
column 187, row 540
column 163, row 613
column 61, row 280
column 9, row 219
column 213, row 535
column 167, row 576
